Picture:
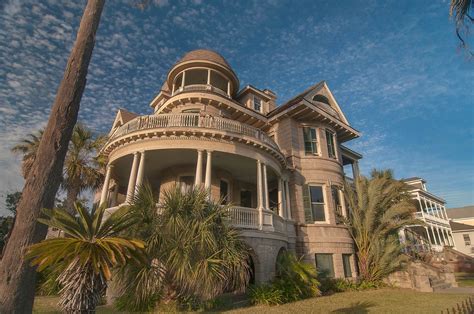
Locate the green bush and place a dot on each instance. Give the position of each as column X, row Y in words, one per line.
column 267, row 294
column 294, row 281
column 333, row 285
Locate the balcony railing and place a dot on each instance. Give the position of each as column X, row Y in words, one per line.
column 192, row 120
column 200, row 87
column 430, row 217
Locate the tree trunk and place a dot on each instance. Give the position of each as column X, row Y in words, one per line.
column 71, row 197
column 17, row 277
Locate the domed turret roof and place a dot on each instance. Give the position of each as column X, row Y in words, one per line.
column 205, row 54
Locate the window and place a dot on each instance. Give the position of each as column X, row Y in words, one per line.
column 218, row 81
column 324, row 265
column 195, row 77
column 331, row 144
column 191, row 110
column 346, row 262
column 186, row 183
column 321, row 98
column 336, row 199
column 467, row 239
column 257, row 104
column 317, row 203
column 310, row 141
column 245, row 198
column 224, row 187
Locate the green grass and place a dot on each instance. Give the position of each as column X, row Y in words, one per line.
column 371, row 301
column 465, row 279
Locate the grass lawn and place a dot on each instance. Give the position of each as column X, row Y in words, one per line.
column 371, row 301
column 465, row 279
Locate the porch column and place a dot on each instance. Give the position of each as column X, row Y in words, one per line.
column 429, row 237
column 281, row 210
column 198, row 177
column 228, row 88
column 343, row 203
column 439, row 236
column 132, row 179
column 259, row 195
column 288, row 203
column 355, row 169
column 207, row 181
column 208, row 77
column 113, row 198
column 141, row 171
column 445, row 212
column 451, row 237
column 105, row 187
column 265, row 188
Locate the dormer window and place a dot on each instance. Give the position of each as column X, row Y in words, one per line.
column 257, row 104
column 321, row 98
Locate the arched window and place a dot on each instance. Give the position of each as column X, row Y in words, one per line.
column 321, row 98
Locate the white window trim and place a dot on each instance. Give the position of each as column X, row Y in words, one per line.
column 325, row 196
column 261, row 104
column 318, row 141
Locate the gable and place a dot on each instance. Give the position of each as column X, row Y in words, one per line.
column 122, row 117
column 321, row 97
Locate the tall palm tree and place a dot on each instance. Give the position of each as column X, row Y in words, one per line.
column 192, row 250
column 85, row 256
column 459, row 11
column 83, row 168
column 379, row 206
column 17, row 277
column 28, row 148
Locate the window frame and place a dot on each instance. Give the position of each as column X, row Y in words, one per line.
column 333, row 143
column 314, row 141
column 348, row 270
column 332, row 273
column 260, row 103
column 318, row 203
column 228, row 196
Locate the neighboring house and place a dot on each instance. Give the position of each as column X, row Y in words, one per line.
column 436, row 232
column 463, row 215
column 463, row 237
column 281, row 167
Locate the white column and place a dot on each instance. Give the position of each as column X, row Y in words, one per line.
column 288, row 203
column 355, row 169
column 132, row 179
column 439, row 236
column 429, row 237
column 343, row 203
column 228, row 88
column 207, row 181
column 113, row 198
column 182, row 79
column 259, row 194
column 198, row 177
column 105, row 187
column 141, row 171
column 283, row 200
column 451, row 238
column 280, row 198
column 445, row 212
column 208, row 77
column 266, row 203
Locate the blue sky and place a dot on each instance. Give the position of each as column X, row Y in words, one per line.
column 393, row 66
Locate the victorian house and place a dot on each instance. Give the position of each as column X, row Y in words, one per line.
column 281, row 168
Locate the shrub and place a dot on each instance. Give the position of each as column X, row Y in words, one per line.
column 266, row 294
column 334, row 285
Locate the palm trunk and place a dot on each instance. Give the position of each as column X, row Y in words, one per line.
column 71, row 197
column 17, row 277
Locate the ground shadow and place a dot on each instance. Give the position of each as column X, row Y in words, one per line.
column 358, row 307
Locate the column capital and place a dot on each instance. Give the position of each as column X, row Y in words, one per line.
column 110, row 166
column 135, row 153
column 142, row 151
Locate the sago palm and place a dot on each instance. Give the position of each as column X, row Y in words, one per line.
column 379, row 206
column 82, row 166
column 91, row 247
column 28, row 148
column 459, row 11
column 192, row 249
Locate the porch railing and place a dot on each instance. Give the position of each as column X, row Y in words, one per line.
column 192, row 120
column 200, row 87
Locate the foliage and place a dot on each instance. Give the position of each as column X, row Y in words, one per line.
column 82, row 166
column 295, row 280
column 333, row 285
column 47, row 281
column 265, row 294
column 192, row 250
column 11, row 201
column 379, row 207
column 6, row 224
column 86, row 254
column 459, row 11
column 28, row 148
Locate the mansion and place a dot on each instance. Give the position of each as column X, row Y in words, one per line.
column 281, row 168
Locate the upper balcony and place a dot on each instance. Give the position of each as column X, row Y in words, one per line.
column 194, row 123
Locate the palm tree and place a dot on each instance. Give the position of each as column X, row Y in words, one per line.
column 16, row 276
column 83, row 169
column 192, row 250
column 459, row 11
column 28, row 148
column 86, row 255
column 379, row 206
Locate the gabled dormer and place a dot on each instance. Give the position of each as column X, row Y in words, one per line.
column 261, row 101
column 122, row 117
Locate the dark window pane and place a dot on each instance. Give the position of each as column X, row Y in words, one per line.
column 346, row 261
column 324, row 265
column 224, row 192
column 318, row 212
column 330, row 144
column 245, row 198
column 317, row 194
